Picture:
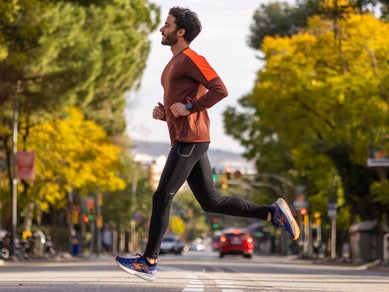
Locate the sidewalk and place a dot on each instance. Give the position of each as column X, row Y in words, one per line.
column 376, row 265
column 60, row 257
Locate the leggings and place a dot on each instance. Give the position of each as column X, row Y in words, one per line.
column 189, row 162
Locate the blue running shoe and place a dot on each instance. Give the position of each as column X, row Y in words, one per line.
column 283, row 218
column 137, row 266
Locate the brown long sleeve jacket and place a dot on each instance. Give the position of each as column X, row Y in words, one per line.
column 189, row 78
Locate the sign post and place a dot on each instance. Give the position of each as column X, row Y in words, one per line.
column 332, row 212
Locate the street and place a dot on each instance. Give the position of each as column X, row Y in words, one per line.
column 193, row 272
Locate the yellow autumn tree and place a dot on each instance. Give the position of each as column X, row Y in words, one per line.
column 324, row 93
column 72, row 154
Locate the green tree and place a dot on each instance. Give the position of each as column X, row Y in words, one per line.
column 95, row 54
column 55, row 54
column 61, row 54
column 128, row 210
column 195, row 218
column 282, row 18
column 121, row 207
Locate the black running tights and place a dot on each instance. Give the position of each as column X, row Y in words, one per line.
column 189, row 162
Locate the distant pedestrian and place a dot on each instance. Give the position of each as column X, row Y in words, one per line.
column 106, row 239
column 191, row 86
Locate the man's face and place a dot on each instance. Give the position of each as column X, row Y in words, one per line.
column 169, row 32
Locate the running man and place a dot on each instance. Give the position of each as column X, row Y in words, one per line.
column 191, row 86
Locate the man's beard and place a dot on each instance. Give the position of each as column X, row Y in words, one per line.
column 170, row 39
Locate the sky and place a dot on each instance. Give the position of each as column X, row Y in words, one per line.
column 223, row 42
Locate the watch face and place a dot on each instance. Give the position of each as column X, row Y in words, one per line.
column 189, row 106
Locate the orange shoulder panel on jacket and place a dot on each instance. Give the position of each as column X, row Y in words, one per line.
column 202, row 64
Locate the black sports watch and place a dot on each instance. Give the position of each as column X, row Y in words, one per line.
column 189, row 107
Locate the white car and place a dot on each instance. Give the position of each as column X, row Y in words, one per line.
column 171, row 244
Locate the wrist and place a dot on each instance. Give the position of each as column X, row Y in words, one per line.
column 189, row 107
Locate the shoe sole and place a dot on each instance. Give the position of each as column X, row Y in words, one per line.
column 293, row 224
column 141, row 275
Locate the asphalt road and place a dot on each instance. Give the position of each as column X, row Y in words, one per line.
column 192, row 272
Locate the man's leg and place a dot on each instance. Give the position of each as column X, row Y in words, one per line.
column 179, row 164
column 181, row 159
column 201, row 183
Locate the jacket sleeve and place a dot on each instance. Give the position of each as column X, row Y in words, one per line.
column 205, row 75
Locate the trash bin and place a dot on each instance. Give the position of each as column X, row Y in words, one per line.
column 364, row 241
column 75, row 245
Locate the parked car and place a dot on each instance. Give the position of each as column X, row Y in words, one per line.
column 171, row 244
column 236, row 241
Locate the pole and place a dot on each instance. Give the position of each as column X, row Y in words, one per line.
column 333, row 238
column 332, row 212
column 99, row 221
column 14, row 189
column 132, row 207
column 70, row 218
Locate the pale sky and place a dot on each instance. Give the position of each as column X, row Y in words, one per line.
column 223, row 43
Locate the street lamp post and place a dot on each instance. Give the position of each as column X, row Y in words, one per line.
column 14, row 181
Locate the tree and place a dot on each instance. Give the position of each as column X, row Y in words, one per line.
column 100, row 55
column 194, row 219
column 281, row 18
column 55, row 54
column 72, row 154
column 61, row 54
column 323, row 92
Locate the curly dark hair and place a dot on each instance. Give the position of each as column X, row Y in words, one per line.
column 188, row 20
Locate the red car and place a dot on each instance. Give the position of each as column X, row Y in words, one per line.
column 236, row 241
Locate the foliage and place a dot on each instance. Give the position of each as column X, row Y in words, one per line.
column 95, row 54
column 380, row 192
column 323, row 95
column 84, row 55
column 195, row 217
column 72, row 154
column 56, row 54
column 282, row 18
column 121, row 206
column 177, row 225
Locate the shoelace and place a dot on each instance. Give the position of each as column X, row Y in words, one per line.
column 139, row 257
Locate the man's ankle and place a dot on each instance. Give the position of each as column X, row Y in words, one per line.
column 269, row 216
column 151, row 262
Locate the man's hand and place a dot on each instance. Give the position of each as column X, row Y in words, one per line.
column 179, row 109
column 159, row 112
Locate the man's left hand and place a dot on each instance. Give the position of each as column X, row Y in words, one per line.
column 179, row 109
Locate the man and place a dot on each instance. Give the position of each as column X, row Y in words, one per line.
column 191, row 86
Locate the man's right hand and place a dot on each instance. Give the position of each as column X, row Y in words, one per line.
column 159, row 112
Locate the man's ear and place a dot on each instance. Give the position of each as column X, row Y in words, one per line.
column 181, row 32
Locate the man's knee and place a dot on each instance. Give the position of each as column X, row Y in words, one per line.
column 211, row 204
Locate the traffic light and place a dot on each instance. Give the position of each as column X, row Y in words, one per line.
column 76, row 217
column 85, row 218
column 304, row 213
column 214, row 174
column 91, row 214
column 215, row 223
column 317, row 217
